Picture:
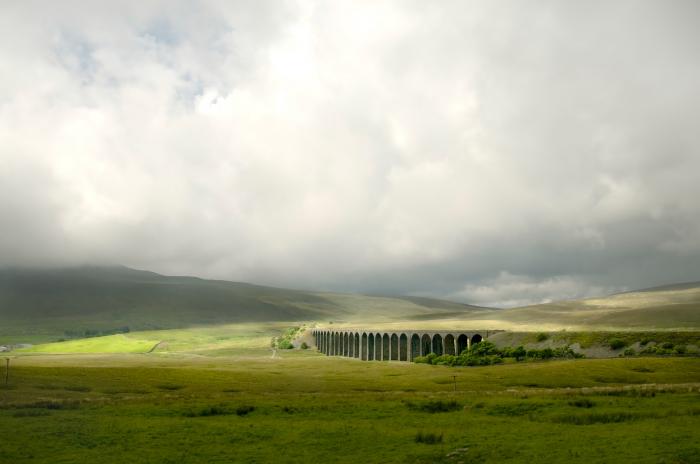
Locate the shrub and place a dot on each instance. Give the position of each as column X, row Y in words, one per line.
column 208, row 411
column 471, row 360
column 285, row 341
column 596, row 418
column 659, row 350
column 304, row 346
column 546, row 353
column 517, row 353
column 428, row 438
column 445, row 359
column 667, row 346
column 681, row 349
column 483, row 348
column 542, row 337
column 582, row 403
column 617, row 343
column 630, row 352
column 244, row 410
column 434, row 406
column 566, row 352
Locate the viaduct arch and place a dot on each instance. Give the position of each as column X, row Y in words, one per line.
column 400, row 345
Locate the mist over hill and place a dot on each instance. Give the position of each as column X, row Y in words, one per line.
column 101, row 300
column 104, row 298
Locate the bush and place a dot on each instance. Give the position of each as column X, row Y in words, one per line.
column 681, row 349
column 630, row 352
column 658, row 350
column 566, row 352
column 445, row 359
column 546, row 353
column 244, row 410
column 208, row 411
column 434, row 406
column 285, row 341
column 483, row 348
column 518, row 353
column 428, row 438
column 304, row 346
column 582, row 403
column 667, row 346
column 471, row 360
column 617, row 343
column 542, row 337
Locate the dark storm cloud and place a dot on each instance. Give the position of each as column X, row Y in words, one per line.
column 492, row 152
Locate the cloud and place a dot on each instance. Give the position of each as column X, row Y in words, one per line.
column 509, row 290
column 389, row 147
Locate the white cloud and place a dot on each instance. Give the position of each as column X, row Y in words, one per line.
column 509, row 290
column 380, row 146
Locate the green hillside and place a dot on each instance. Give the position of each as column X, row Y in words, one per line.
column 72, row 303
column 104, row 300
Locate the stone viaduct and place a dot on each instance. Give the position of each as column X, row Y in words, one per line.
column 403, row 345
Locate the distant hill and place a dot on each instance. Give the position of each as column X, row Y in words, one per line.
column 664, row 307
column 681, row 286
column 106, row 298
column 54, row 302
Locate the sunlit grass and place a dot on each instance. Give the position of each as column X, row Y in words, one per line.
column 108, row 344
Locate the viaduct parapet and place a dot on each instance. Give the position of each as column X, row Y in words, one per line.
column 403, row 345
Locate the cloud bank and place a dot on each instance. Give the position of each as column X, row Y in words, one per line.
column 492, row 152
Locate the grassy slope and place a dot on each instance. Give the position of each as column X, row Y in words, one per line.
column 49, row 302
column 39, row 306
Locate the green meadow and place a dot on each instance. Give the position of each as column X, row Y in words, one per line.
column 218, row 395
column 131, row 366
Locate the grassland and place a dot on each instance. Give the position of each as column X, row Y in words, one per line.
column 198, row 381
column 217, row 395
column 109, row 344
column 39, row 306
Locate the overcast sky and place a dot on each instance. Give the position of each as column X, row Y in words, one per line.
column 490, row 152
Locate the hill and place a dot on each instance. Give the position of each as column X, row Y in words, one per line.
column 108, row 299
column 46, row 304
column 665, row 307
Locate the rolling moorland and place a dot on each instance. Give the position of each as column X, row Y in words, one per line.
column 45, row 305
column 194, row 379
column 42, row 305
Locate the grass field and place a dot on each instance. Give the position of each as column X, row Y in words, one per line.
column 186, row 406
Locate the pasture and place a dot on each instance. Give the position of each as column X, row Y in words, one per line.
column 235, row 403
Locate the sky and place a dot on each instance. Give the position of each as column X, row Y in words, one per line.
column 491, row 152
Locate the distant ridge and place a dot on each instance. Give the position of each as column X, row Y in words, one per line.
column 667, row 287
column 104, row 297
